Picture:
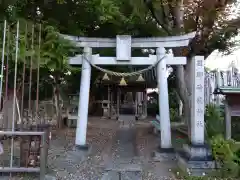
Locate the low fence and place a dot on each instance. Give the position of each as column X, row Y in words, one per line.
column 25, row 140
column 26, row 152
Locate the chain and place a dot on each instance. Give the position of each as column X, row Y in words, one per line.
column 122, row 74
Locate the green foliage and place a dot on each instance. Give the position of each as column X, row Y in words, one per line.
column 214, row 121
column 181, row 175
column 55, row 51
column 52, row 57
column 225, row 152
column 200, row 178
column 222, row 40
column 174, row 115
column 226, row 155
column 236, row 128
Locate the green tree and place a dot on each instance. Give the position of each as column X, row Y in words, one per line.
column 106, row 18
column 208, row 18
column 55, row 52
column 40, row 50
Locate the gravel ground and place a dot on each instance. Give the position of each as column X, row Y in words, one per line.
column 64, row 162
column 67, row 163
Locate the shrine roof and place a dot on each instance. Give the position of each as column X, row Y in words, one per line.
column 227, row 90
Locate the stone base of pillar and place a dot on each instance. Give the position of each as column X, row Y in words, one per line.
column 196, row 160
column 82, row 147
column 164, row 154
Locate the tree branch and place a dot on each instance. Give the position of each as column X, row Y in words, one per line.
column 165, row 13
column 149, row 5
column 212, row 8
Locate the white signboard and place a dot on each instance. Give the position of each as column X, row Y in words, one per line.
column 197, row 117
column 124, row 48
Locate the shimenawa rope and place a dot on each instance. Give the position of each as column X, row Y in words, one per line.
column 122, row 74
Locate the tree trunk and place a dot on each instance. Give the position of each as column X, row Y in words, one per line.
column 57, row 104
column 177, row 12
column 182, row 91
column 182, row 86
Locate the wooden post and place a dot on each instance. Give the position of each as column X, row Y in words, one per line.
column 118, row 102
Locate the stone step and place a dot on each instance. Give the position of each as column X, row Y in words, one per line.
column 130, row 176
column 162, row 156
column 112, row 175
column 122, row 167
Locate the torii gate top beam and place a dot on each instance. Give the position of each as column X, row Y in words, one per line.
column 171, row 41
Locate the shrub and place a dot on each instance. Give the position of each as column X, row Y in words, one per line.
column 214, row 121
column 226, row 154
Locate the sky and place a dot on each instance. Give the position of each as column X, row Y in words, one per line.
column 217, row 60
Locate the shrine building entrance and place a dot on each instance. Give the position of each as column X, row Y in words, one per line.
column 126, row 96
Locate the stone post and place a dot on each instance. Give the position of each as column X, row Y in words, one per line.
column 162, row 76
column 197, row 104
column 197, row 155
column 82, row 120
column 228, row 123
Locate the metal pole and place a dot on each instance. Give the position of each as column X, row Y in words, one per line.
column 24, row 72
column 3, row 57
column 38, row 62
column 6, row 74
column 21, row 133
column 14, row 92
column 43, row 155
column 30, row 76
column 18, row 110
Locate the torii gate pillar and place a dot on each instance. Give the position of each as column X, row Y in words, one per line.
column 82, row 120
column 163, row 100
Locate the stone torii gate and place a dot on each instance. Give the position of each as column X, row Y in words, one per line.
column 123, row 45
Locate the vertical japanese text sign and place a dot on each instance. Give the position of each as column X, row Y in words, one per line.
column 198, row 100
